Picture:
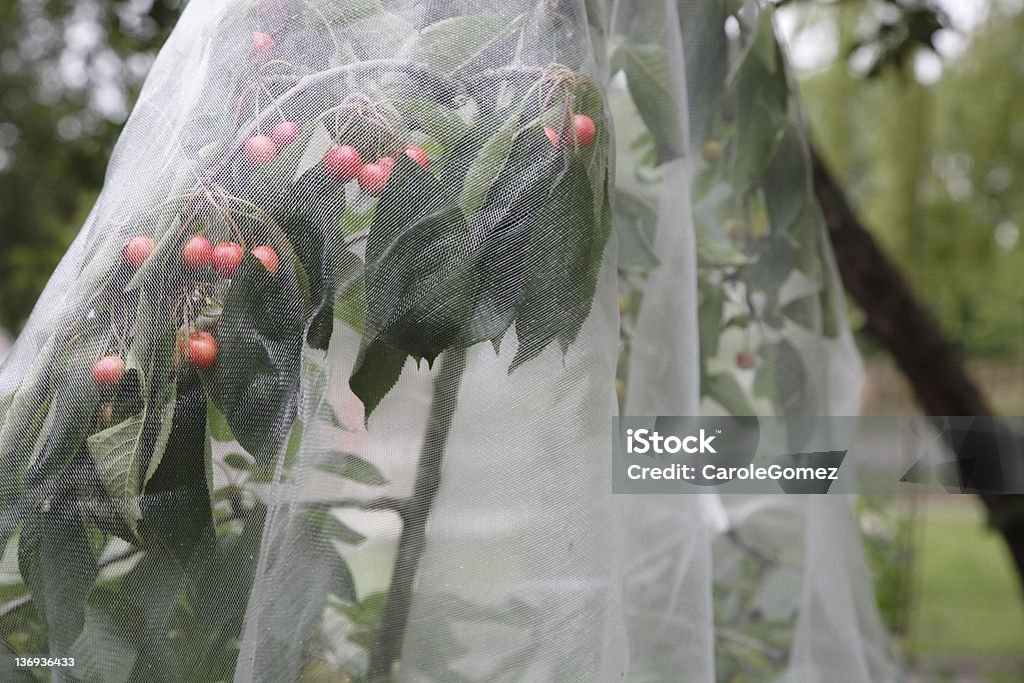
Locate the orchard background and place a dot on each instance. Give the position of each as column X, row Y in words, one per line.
column 913, row 104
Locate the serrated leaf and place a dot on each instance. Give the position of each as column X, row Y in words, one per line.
column 636, row 219
column 451, row 45
column 761, row 94
column 419, row 266
column 329, row 526
column 648, row 75
column 487, row 165
column 114, row 452
column 348, row 466
column 259, row 338
column 56, row 559
column 558, row 293
column 376, row 371
column 102, row 653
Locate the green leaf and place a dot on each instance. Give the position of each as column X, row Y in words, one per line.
column 487, row 165
column 353, row 467
column 718, row 253
column 649, row 77
column 782, row 378
column 636, row 220
column 566, row 236
column 787, row 182
column 365, row 615
column 238, row 461
column 253, row 382
column 331, row 527
column 114, row 452
column 761, row 93
column 451, row 45
column 56, row 558
column 350, row 306
column 376, row 371
column 419, row 266
column 102, row 654
column 442, row 124
column 220, row 430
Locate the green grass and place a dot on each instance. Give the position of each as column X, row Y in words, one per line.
column 967, row 608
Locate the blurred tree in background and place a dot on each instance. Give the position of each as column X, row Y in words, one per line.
column 922, row 125
column 69, row 71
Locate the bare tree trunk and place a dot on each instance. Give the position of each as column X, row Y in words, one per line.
column 919, row 348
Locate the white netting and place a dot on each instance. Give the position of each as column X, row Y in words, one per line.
column 353, row 416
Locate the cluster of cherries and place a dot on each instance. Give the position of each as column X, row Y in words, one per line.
column 200, row 347
column 583, row 131
column 344, row 163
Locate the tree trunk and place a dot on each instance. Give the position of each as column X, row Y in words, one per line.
column 894, row 316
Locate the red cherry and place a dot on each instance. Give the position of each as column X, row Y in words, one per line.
column 746, row 359
column 201, row 349
column 138, row 250
column 373, row 178
column 268, row 257
column 284, row 133
column 263, row 47
column 226, row 257
column 260, row 149
column 108, row 371
column 418, row 155
column 552, row 135
column 585, row 129
column 343, row 163
column 197, row 252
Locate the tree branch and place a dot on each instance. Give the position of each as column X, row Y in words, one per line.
column 921, row 351
column 387, row 647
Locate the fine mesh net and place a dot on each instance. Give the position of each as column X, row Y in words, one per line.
column 323, row 389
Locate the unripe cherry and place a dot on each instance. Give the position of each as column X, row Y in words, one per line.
column 343, row 163
column 284, row 133
column 585, row 129
column 260, row 149
column 418, row 155
column 108, row 371
column 201, row 349
column 746, row 360
column 138, row 250
column 373, row 178
column 263, row 47
column 552, row 135
column 713, row 151
column 226, row 257
column 197, row 252
column 268, row 257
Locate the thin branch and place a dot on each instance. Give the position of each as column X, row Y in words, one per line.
column 387, row 647
column 384, row 503
column 767, row 649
